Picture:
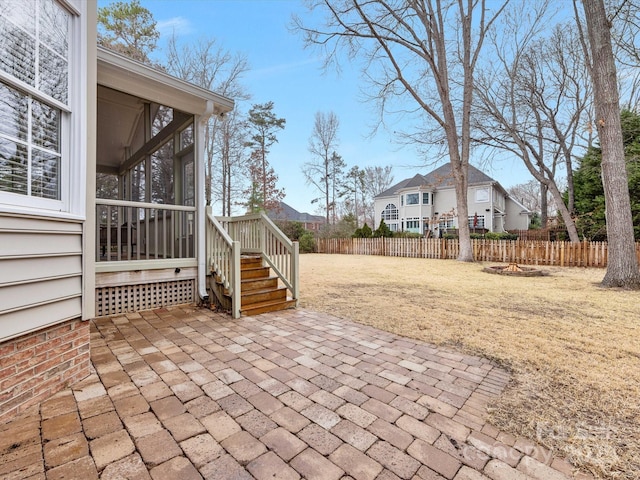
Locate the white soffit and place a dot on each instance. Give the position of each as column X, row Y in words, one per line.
column 121, row 73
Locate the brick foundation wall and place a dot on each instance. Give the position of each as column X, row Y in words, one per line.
column 37, row 365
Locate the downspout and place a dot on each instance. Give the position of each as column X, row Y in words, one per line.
column 200, row 122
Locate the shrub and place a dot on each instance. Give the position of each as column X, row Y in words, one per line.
column 407, row 235
column 307, row 243
column 383, row 230
column 364, row 232
column 500, row 236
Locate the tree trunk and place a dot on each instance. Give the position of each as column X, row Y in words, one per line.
column 622, row 264
column 544, row 206
column 460, row 172
column 572, row 230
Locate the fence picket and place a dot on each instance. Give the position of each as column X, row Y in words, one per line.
column 525, row 252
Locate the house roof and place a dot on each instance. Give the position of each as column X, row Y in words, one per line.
column 286, row 212
column 441, row 177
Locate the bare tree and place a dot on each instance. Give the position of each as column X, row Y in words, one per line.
column 319, row 171
column 226, row 182
column 625, row 34
column 413, row 49
column 533, row 98
column 529, row 195
column 208, row 65
column 622, row 264
column 354, row 189
column 376, row 180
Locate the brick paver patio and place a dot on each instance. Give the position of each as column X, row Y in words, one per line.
column 185, row 393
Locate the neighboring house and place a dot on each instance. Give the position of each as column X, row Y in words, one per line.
column 102, row 207
column 426, row 204
column 287, row 213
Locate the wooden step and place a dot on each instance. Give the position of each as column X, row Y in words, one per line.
column 265, row 307
column 255, row 272
column 264, row 295
column 252, row 284
column 250, row 261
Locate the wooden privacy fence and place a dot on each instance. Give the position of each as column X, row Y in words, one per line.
column 531, row 252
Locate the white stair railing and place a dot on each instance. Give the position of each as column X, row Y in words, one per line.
column 223, row 257
column 258, row 235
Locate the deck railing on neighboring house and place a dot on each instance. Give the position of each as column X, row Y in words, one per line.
column 128, row 231
column 258, row 235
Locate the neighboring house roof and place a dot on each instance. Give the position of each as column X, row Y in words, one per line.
column 441, row 177
column 286, row 212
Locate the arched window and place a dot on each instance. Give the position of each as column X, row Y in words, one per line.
column 390, row 212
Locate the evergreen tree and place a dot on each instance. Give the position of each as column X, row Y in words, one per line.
column 590, row 199
column 383, row 230
column 128, row 28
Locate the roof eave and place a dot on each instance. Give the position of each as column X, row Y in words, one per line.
column 124, row 74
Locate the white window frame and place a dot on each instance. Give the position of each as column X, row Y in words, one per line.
column 73, row 120
column 446, row 223
column 415, row 223
column 425, row 195
column 417, row 196
column 482, row 195
column 387, row 217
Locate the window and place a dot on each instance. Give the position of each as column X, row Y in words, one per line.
column 34, row 111
column 413, row 224
column 412, row 198
column 482, row 195
column 389, row 213
column 445, row 223
column 476, row 221
column 425, row 198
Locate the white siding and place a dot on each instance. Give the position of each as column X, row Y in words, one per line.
column 515, row 219
column 40, row 273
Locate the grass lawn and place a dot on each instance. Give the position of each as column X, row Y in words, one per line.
column 573, row 348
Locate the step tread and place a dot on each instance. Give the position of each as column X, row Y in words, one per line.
column 268, row 306
column 261, row 291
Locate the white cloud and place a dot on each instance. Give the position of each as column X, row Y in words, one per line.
column 175, row 25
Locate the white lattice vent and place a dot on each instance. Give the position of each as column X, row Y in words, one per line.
column 147, row 296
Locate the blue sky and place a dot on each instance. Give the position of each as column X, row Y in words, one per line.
column 284, row 72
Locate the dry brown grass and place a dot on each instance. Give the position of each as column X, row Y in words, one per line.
column 573, row 347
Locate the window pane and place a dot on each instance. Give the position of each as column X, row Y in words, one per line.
column 186, row 137
column 162, row 175
column 107, row 186
column 14, row 112
column 13, row 167
column 138, row 182
column 46, row 124
column 53, row 74
column 54, row 27
column 189, row 185
column 45, row 174
column 17, row 52
column 20, row 13
column 412, row 199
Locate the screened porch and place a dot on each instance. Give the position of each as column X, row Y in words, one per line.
column 145, row 181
